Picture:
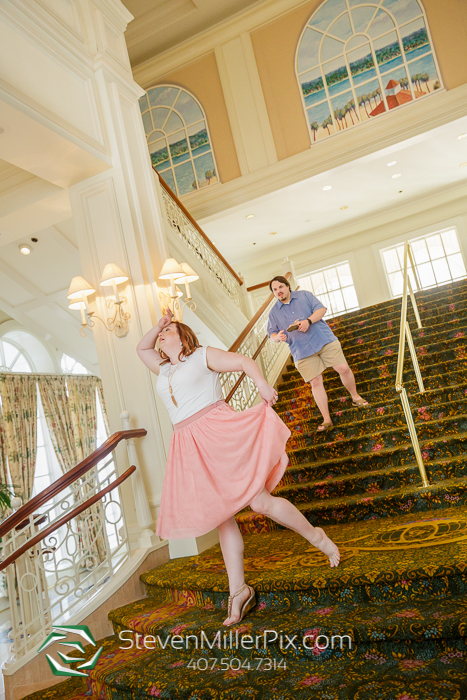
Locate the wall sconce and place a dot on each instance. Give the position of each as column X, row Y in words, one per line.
column 80, row 290
column 175, row 274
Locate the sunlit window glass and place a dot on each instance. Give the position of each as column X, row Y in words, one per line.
column 437, row 257
column 334, row 287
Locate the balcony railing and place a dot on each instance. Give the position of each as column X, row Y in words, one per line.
column 193, row 236
column 63, row 545
column 239, row 390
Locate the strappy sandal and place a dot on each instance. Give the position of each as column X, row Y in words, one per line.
column 247, row 605
column 360, row 403
column 324, row 426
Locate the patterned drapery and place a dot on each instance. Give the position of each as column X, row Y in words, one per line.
column 19, row 407
column 70, row 410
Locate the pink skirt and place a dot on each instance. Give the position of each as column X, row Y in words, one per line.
column 218, row 461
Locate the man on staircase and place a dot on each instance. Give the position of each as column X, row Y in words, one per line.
column 297, row 319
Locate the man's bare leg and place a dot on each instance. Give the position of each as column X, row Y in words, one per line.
column 320, row 396
column 348, row 380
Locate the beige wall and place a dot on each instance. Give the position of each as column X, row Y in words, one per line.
column 275, row 46
column 201, row 77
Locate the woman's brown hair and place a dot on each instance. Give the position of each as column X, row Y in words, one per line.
column 187, row 338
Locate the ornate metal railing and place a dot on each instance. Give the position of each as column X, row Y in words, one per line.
column 238, row 389
column 193, row 236
column 403, row 335
column 60, row 548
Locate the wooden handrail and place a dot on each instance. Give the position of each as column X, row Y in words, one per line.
column 243, row 375
column 257, row 286
column 197, row 226
column 249, row 326
column 64, row 481
column 65, row 519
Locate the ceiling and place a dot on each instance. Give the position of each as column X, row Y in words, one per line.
column 159, row 25
column 427, row 164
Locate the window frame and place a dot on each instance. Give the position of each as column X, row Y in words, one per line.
column 424, row 236
column 352, row 88
column 334, row 264
column 186, row 127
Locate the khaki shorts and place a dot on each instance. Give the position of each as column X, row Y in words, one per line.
column 330, row 355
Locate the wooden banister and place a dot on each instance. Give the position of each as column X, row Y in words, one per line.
column 67, row 479
column 243, row 375
column 249, row 326
column 197, row 226
column 257, row 286
column 65, row 519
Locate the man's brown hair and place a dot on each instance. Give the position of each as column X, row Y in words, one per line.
column 279, row 278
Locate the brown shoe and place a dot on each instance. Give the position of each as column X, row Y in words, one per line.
column 325, row 426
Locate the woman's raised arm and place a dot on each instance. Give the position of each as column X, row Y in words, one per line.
column 146, row 347
column 222, row 361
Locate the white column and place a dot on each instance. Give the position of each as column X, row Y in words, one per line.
column 245, row 104
column 289, row 266
column 118, row 219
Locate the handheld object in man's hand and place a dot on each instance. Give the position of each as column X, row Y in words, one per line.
column 293, row 327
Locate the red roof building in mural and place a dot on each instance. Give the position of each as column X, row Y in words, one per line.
column 395, row 96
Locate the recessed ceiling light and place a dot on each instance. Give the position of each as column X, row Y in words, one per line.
column 391, row 162
column 345, row 207
column 250, row 216
column 462, row 136
column 463, row 165
column 327, row 187
column 396, row 175
column 273, row 233
column 25, row 249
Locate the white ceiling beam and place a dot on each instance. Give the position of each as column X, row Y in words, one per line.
column 45, row 334
column 45, row 300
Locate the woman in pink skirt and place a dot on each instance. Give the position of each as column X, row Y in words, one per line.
column 219, row 460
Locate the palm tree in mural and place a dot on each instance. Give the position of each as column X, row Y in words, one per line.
column 314, row 127
column 353, row 108
column 348, row 110
column 404, row 83
column 326, row 124
column 362, row 103
column 425, row 78
column 208, row 175
column 416, row 81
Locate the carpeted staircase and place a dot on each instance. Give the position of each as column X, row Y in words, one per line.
column 394, row 611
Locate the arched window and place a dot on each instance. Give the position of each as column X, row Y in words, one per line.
column 357, row 59
column 178, row 138
column 13, row 358
column 71, row 366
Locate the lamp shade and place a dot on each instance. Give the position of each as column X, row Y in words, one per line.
column 79, row 288
column 171, row 270
column 112, row 274
column 77, row 305
column 191, row 275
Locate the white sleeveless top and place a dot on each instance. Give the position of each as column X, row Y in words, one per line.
column 194, row 386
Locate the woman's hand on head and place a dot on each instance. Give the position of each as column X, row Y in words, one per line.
column 166, row 319
column 267, row 393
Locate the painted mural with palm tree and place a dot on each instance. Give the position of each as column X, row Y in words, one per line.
column 385, row 61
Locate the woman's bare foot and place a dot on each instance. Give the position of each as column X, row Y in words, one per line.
column 237, row 604
column 328, row 547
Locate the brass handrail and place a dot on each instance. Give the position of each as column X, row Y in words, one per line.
column 403, row 335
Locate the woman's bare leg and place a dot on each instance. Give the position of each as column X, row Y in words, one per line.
column 231, row 542
column 285, row 513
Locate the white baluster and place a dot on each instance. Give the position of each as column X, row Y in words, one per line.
column 143, row 511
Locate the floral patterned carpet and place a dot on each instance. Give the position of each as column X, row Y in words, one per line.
column 389, row 622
